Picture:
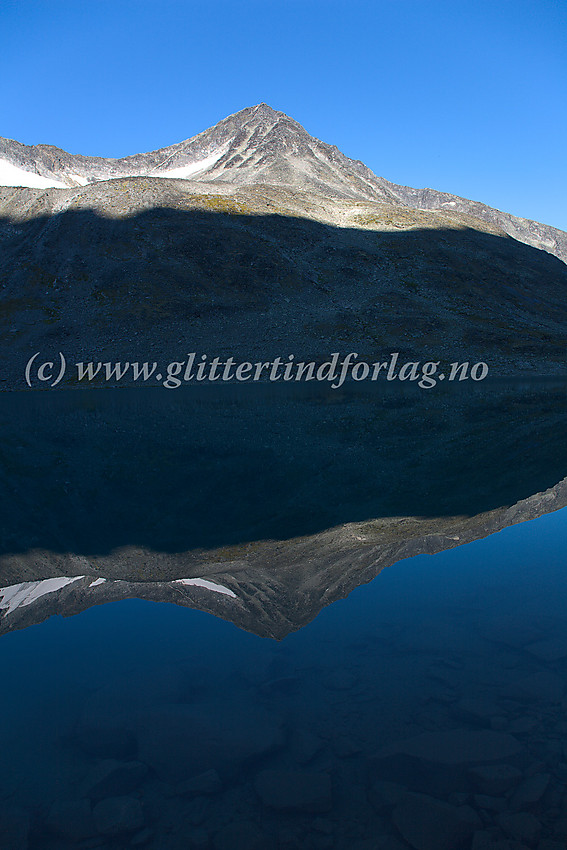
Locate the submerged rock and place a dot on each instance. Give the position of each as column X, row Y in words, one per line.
column 180, row 741
column 112, row 778
column 71, row 819
column 118, row 816
column 208, row 782
column 294, row 790
column 242, row 835
column 385, row 795
column 495, row 779
column 530, row 791
column 478, row 710
column 482, row 840
column 343, row 747
column 385, row 842
column 490, row 804
column 141, row 838
column 304, row 745
column 429, row 824
column 543, row 686
column 521, row 826
column 460, row 746
column 198, row 810
column 437, row 762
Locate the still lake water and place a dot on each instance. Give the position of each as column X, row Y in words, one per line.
column 425, row 710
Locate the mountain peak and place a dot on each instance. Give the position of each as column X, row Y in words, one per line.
column 265, row 109
column 258, row 145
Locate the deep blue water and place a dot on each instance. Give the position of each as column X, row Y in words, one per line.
column 399, row 657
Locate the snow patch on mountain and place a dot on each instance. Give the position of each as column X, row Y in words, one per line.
column 11, row 175
column 210, row 585
column 82, row 181
column 185, row 171
column 17, row 595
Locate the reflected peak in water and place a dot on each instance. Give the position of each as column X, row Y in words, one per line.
column 257, row 508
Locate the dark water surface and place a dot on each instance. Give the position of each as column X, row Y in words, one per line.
column 426, row 710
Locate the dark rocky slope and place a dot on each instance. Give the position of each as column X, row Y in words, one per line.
column 141, row 269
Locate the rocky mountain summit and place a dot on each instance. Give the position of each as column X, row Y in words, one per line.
column 255, row 240
column 257, row 146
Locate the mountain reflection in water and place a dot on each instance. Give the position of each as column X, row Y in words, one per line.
column 424, row 711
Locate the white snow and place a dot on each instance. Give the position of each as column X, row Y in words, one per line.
column 82, row 181
column 185, row 171
column 11, row 175
column 17, row 595
column 97, row 582
column 210, row 585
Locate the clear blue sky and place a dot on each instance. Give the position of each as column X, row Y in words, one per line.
column 465, row 96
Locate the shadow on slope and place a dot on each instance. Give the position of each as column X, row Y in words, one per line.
column 134, row 286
